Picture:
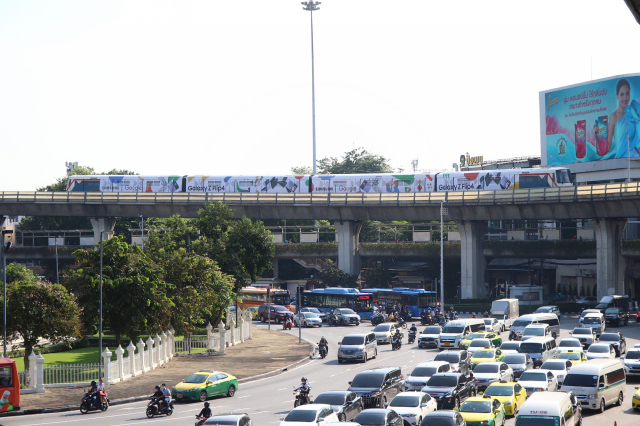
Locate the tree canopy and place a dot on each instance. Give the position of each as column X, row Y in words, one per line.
column 18, row 272
column 356, row 161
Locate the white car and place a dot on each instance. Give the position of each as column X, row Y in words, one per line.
column 586, row 335
column 413, row 406
column 307, row 319
column 560, row 368
column 384, row 331
column 310, row 415
column 601, row 350
column 491, row 372
column 510, row 347
column 492, row 325
column 584, row 314
column 429, row 336
column 538, row 380
column 421, row 373
column 570, row 344
column 632, row 362
column 535, row 330
column 479, row 344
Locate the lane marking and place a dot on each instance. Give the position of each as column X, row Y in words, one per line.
column 246, row 396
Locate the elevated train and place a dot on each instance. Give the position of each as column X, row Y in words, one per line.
column 483, row 180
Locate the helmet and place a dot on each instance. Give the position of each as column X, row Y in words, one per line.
column 157, row 386
column 206, row 404
column 93, row 383
column 304, row 379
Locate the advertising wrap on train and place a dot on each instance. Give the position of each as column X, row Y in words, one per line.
column 477, row 181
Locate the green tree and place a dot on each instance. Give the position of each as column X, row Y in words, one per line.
column 302, row 170
column 18, row 272
column 40, row 310
column 134, row 293
column 337, row 278
column 356, row 161
column 376, row 275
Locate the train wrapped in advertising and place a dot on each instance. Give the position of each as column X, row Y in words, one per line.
column 380, row 183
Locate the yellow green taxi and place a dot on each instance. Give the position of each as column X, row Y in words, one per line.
column 576, row 357
column 482, row 411
column 486, row 355
column 495, row 339
column 511, row 396
column 254, row 311
column 205, row 384
column 635, row 401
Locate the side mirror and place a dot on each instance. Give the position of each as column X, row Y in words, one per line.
column 340, row 343
column 386, row 405
column 423, row 405
column 321, row 419
column 480, row 393
column 209, row 382
column 281, row 418
column 601, row 385
column 349, row 383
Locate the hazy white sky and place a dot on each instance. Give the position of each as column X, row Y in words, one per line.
column 224, row 87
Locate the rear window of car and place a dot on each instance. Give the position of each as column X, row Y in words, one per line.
column 382, row 327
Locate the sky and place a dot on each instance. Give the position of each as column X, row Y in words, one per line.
column 224, row 87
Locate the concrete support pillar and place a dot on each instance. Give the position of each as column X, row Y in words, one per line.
column 473, row 262
column 610, row 268
column 102, row 224
column 274, row 265
column 348, row 232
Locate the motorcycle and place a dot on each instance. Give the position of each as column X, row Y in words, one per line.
column 288, row 324
column 322, row 348
column 88, row 403
column 442, row 321
column 301, row 398
column 333, row 321
column 377, row 319
column 402, row 323
column 453, row 315
column 407, row 316
column 412, row 336
column 152, row 407
column 201, row 420
column 396, row 342
column 513, row 335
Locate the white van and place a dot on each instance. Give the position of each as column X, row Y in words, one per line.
column 550, row 319
column 597, row 383
column 596, row 321
column 457, row 330
column 550, row 409
column 539, row 349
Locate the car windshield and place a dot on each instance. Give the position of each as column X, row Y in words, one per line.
column 521, row 323
column 591, row 320
column 488, row 321
column 447, row 357
column 611, row 311
column 597, row 349
column 329, row 399
column 542, row 310
column 301, row 416
column 424, row 371
column 510, row 346
column 279, row 308
column 514, row 359
column 609, row 337
column 554, row 365
column 483, row 354
column 347, row 312
column 449, row 381
column 532, row 376
column 486, row 368
column 353, row 340
column 534, row 331
column 537, row 421
column 453, row 329
column 572, row 356
column 480, row 343
column 581, row 380
column 499, row 391
column 602, row 306
column 476, row 336
column 476, row 407
column 633, row 354
column 382, row 327
column 570, row 343
column 530, row 348
column 370, row 418
column 582, row 331
column 367, row 380
column 432, row 330
column 314, row 310
column 196, row 378
column 405, row 401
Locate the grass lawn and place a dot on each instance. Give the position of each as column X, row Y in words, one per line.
column 75, row 356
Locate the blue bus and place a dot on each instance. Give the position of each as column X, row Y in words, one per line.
column 328, row 299
column 415, row 299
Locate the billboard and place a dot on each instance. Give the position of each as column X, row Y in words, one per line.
column 591, row 121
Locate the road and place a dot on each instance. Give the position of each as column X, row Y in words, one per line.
column 267, row 400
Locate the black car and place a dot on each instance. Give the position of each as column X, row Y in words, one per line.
column 377, row 386
column 443, row 418
column 616, row 340
column 451, row 389
column 616, row 316
column 229, row 420
column 378, row 417
column 346, row 404
column 459, row 360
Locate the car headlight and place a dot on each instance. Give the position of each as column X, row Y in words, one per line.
column 486, row 422
column 377, row 394
column 506, row 403
column 636, row 398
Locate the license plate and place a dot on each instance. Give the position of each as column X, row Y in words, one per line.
column 179, row 395
column 447, row 343
column 349, row 357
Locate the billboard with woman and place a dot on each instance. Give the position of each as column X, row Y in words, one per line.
column 598, row 120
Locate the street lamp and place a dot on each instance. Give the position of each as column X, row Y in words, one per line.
column 311, row 6
column 100, row 332
column 5, row 248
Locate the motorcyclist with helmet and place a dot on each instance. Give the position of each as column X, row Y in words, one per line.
column 205, row 413
column 413, row 329
column 324, row 342
column 94, row 392
column 304, row 389
column 159, row 396
column 167, row 394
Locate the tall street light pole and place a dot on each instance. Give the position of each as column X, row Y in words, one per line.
column 5, row 248
column 311, row 6
column 100, row 336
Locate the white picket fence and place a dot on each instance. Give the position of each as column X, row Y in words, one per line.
column 229, row 334
column 69, row 373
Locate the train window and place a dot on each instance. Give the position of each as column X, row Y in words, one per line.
column 562, row 176
column 533, row 181
column 153, row 183
column 244, row 185
column 91, row 186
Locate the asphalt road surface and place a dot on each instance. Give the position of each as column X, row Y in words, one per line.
column 267, row 400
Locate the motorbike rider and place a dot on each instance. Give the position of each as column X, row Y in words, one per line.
column 102, row 392
column 413, row 329
column 474, row 315
column 159, row 396
column 167, row 394
column 94, row 392
column 486, row 314
column 324, row 342
column 304, row 389
column 287, row 319
column 206, row 411
column 398, row 334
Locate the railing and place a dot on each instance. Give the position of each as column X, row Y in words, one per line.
column 69, row 373
column 515, row 196
column 195, row 344
column 24, row 378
